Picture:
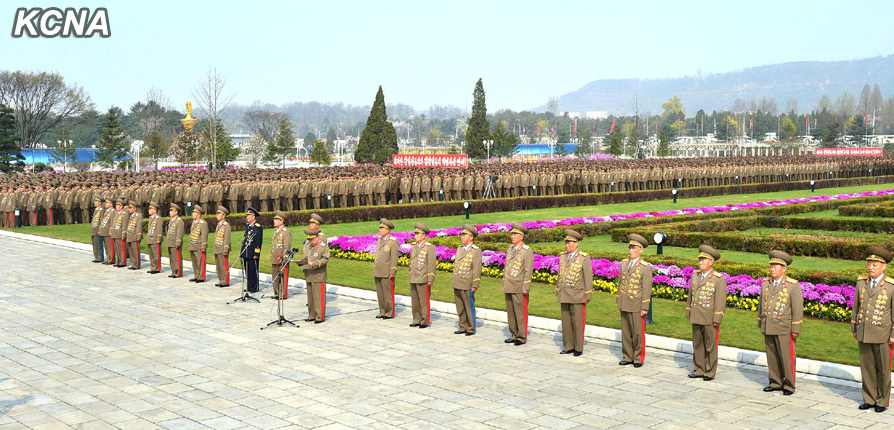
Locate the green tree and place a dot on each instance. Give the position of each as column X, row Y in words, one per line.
column 615, row 140
column 320, row 155
column 283, row 145
column 378, row 142
column 156, row 147
column 185, row 147
column 310, row 140
column 858, row 128
column 830, row 135
column 330, row 140
column 478, row 125
column 225, row 150
column 112, row 146
column 584, row 141
column 663, row 143
column 11, row 158
column 505, row 143
column 788, row 132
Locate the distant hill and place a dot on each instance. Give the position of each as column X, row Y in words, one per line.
column 805, row 81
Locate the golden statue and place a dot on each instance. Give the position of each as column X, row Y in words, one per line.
column 189, row 121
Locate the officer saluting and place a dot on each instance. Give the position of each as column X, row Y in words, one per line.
column 871, row 323
column 704, row 309
column 574, row 289
column 251, row 249
column 781, row 308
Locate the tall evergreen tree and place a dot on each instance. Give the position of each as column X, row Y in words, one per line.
column 225, row 150
column 478, row 129
column 505, row 143
column 283, row 145
column 112, row 146
column 663, row 142
column 156, row 147
column 185, row 147
column 379, row 139
column 615, row 140
column 320, row 155
column 11, row 158
column 330, row 140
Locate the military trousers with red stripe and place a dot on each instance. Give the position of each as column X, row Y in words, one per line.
column 574, row 317
column 316, row 301
column 421, row 299
column 875, row 367
column 198, row 265
column 517, row 316
column 704, row 349
column 221, row 262
column 385, row 296
column 633, row 337
column 781, row 361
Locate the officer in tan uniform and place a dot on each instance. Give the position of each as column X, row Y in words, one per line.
column 116, row 232
column 281, row 244
column 134, row 234
column 154, row 232
column 222, row 236
column 781, row 309
column 704, row 309
column 314, row 224
column 871, row 322
column 95, row 239
column 385, row 268
column 574, row 289
column 466, row 278
column 174, row 241
column 198, row 244
column 105, row 227
column 423, row 263
column 517, row 275
column 634, row 294
column 314, row 263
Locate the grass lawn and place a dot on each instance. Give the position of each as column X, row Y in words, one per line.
column 765, row 231
column 832, row 213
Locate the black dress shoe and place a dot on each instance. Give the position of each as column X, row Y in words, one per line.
column 217, row 284
column 865, row 406
column 319, row 321
column 387, row 318
column 518, row 342
column 787, row 392
column 414, row 325
column 693, row 375
column 509, row 341
column 637, row 365
column 308, row 319
column 171, row 276
column 768, row 389
column 459, row 332
column 192, row 279
column 624, row 363
column 95, row 261
column 199, row 281
column 708, row 378
column 578, row 353
column 880, row 409
column 566, row 351
column 378, row 316
column 423, row 325
column 470, row 333
column 223, row 285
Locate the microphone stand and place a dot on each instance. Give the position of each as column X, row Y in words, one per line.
column 245, row 296
column 287, row 258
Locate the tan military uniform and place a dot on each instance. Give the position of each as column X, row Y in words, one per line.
column 315, row 277
column 634, row 295
column 96, row 239
column 704, row 309
column 133, row 235
column 198, row 246
column 781, row 309
column 116, row 232
column 105, row 225
column 384, row 270
column 517, row 276
column 574, row 289
column 423, row 263
column 282, row 243
column 154, row 232
column 174, row 241
column 466, row 276
column 871, row 323
column 222, row 234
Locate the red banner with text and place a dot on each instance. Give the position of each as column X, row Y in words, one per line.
column 844, row 152
column 430, row 160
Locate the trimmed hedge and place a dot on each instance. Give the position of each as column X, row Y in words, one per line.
column 882, row 209
column 508, row 204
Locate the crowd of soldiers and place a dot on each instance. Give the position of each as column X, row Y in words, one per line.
column 65, row 198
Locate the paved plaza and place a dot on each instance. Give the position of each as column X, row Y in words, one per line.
column 94, row 347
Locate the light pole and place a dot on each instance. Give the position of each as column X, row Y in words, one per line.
column 551, row 145
column 488, row 144
column 135, row 148
column 63, row 146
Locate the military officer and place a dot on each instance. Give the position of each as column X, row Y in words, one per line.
column 704, row 309
column 95, row 238
column 116, row 232
column 634, row 294
column 105, row 225
column 222, row 232
column 282, row 243
column 385, row 268
column 251, row 248
column 781, row 309
column 517, row 275
column 174, row 241
column 198, row 244
column 154, row 232
column 314, row 263
column 466, row 278
column 423, row 263
column 871, row 322
column 574, row 289
column 134, row 234
column 314, row 224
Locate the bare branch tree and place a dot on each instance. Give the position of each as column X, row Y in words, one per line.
column 159, row 97
column 263, row 123
column 41, row 101
column 212, row 100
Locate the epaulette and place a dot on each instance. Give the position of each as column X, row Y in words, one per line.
column 717, row 274
column 391, row 238
column 625, row 260
column 474, row 246
column 889, row 279
column 787, row 279
column 584, row 254
column 526, row 246
column 862, row 278
column 644, row 262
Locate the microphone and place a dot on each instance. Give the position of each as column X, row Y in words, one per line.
column 296, row 250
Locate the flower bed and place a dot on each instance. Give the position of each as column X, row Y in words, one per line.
column 671, row 282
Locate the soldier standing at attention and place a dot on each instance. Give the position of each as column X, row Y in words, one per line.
column 517, row 275
column 314, row 263
column 282, row 243
column 198, row 244
column 574, row 289
column 96, row 240
column 423, row 263
column 251, row 249
column 466, row 277
column 154, row 232
column 704, row 309
column 222, row 234
column 174, row 242
column 105, row 225
column 781, row 308
column 634, row 295
column 871, row 323
column 385, row 268
column 314, row 224
column 119, row 224
column 133, row 234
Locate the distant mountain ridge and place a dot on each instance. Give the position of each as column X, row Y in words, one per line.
column 805, row 81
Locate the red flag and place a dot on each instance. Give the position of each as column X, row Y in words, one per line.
column 865, row 119
column 575, row 127
column 752, row 121
column 807, row 121
column 612, row 130
column 554, row 127
column 538, row 128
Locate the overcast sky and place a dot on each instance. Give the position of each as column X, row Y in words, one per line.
column 425, row 52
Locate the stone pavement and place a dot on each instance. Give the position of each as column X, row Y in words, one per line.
column 90, row 346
